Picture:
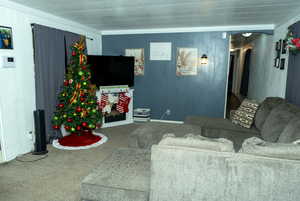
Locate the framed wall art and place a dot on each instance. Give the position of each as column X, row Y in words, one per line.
column 139, row 60
column 6, row 40
column 187, row 61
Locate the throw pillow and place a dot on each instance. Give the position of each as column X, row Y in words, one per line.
column 291, row 132
column 198, row 141
column 244, row 115
column 259, row 147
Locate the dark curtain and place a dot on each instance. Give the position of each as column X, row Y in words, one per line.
column 50, row 54
column 293, row 81
column 246, row 74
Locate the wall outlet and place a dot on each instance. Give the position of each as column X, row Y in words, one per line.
column 168, row 112
column 30, row 135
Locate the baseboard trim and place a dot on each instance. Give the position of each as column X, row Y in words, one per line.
column 167, row 121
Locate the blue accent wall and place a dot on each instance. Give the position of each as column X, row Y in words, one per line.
column 160, row 89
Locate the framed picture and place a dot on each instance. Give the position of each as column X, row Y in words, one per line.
column 139, row 60
column 278, row 46
column 187, row 61
column 276, row 62
column 282, row 64
column 6, row 41
column 284, row 47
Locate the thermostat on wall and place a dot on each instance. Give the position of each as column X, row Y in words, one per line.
column 8, row 62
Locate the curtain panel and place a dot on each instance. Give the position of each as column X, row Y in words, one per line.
column 51, row 54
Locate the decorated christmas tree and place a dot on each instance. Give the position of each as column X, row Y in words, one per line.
column 77, row 110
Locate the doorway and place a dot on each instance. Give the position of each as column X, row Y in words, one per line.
column 248, row 55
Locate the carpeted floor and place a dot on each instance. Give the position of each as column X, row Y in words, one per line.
column 57, row 177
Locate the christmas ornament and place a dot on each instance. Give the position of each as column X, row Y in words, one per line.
column 82, row 99
column 72, row 129
column 67, row 127
column 56, row 127
column 80, row 73
column 78, row 109
column 55, row 118
column 73, row 53
column 65, row 116
column 83, row 67
column 84, row 124
column 94, row 110
column 69, row 120
column 78, row 128
column 61, row 105
column 66, row 83
column 92, row 126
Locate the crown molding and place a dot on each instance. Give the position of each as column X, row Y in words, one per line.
column 191, row 29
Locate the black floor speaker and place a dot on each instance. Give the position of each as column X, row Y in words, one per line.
column 40, row 147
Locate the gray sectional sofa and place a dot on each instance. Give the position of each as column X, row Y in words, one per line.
column 272, row 117
column 226, row 162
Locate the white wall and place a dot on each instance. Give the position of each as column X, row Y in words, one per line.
column 260, row 67
column 277, row 78
column 17, row 85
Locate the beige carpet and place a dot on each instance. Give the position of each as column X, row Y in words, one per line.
column 57, row 177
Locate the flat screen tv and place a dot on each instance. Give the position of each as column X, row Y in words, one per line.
column 111, row 70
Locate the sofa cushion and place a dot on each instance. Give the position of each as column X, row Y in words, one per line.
column 257, row 146
column 198, row 141
column 237, row 137
column 217, row 123
column 245, row 114
column 124, row 175
column 291, row 132
column 264, row 110
column 152, row 132
column 276, row 122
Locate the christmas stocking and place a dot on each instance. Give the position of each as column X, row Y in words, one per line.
column 123, row 103
column 104, row 101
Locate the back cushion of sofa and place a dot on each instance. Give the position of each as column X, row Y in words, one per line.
column 276, row 122
column 198, row 141
column 291, row 132
column 264, row 110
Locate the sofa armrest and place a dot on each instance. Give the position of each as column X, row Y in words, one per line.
column 259, row 147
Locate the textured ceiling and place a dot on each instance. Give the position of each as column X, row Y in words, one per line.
column 145, row 14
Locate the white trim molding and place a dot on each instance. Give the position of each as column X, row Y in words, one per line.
column 167, row 121
column 191, row 29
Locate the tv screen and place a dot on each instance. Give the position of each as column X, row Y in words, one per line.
column 111, row 70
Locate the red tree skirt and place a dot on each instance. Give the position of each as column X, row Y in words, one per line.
column 84, row 139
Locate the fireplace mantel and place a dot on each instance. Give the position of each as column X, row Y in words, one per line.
column 114, row 90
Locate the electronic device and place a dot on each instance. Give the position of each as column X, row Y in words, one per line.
column 111, row 70
column 8, row 62
column 40, row 146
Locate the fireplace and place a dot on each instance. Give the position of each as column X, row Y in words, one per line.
column 114, row 115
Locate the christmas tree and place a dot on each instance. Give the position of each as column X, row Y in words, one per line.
column 77, row 110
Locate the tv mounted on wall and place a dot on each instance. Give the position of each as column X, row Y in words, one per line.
column 111, row 70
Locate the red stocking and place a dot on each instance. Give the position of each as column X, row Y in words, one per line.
column 104, row 101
